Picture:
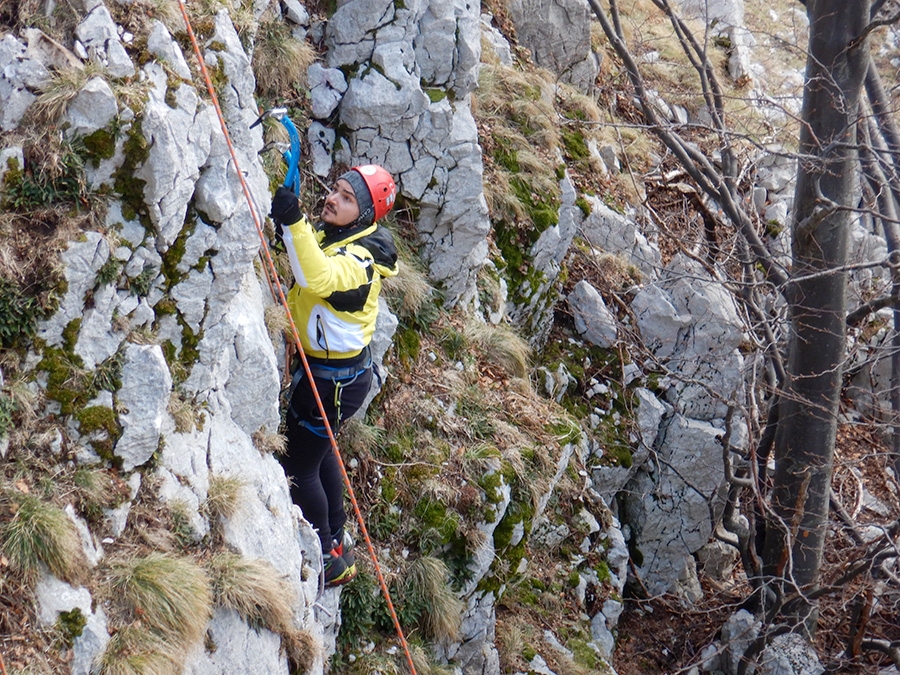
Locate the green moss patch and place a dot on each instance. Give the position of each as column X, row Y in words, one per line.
column 130, row 188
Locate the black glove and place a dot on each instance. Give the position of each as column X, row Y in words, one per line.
column 285, row 207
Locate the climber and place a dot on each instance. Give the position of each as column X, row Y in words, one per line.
column 338, row 265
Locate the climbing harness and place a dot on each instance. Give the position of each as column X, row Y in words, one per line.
column 278, row 293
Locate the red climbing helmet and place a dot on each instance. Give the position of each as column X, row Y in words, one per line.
column 381, row 187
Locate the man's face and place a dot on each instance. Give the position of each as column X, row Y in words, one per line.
column 340, row 205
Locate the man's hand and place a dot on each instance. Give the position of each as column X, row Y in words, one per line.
column 285, row 207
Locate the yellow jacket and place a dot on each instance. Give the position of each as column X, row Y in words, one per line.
column 337, row 279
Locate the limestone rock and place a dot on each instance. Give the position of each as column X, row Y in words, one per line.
column 238, row 648
column 321, row 143
column 615, row 233
column 675, row 523
column 264, row 524
column 738, row 633
column 776, row 170
column 454, row 218
column 558, row 34
column 593, row 320
column 98, row 340
column 93, row 108
column 789, row 654
column 48, row 52
column 99, row 35
column 449, row 49
column 326, row 87
column 609, row 480
column 709, row 354
column 295, row 12
column 19, row 78
column 499, row 44
column 390, row 92
column 93, row 551
column 144, row 398
column 117, row 518
column 81, row 262
column 476, row 652
column 660, row 324
column 161, row 45
column 55, row 597
column 432, row 146
column 191, row 294
column 179, row 142
column 726, row 19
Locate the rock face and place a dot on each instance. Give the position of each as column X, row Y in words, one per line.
column 695, row 330
column 726, row 18
column 175, row 260
column 558, row 33
column 411, row 113
column 181, row 263
column 20, row 77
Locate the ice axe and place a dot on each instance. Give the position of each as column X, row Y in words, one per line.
column 291, row 156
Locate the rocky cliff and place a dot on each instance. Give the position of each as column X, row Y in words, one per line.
column 142, row 351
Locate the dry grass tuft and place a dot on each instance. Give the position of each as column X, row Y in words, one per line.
column 303, row 650
column 223, row 497
column 169, row 594
column 35, row 532
column 277, row 323
column 427, row 582
column 424, row 664
column 500, row 346
column 579, row 106
column 280, row 60
column 23, row 403
column 182, row 411
column 96, row 489
column 513, row 635
column 359, row 437
column 501, row 199
column 254, row 589
column 166, row 11
column 138, row 650
column 58, row 91
column 409, row 291
column 268, row 442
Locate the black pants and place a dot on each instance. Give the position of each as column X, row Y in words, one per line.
column 317, row 486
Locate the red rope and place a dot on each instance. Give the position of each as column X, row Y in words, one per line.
column 275, row 285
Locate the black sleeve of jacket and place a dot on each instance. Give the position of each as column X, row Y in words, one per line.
column 381, row 245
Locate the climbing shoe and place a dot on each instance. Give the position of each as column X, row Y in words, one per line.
column 344, row 544
column 337, row 571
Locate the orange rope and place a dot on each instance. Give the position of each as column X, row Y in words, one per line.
column 279, row 292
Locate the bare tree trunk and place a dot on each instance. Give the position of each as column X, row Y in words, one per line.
column 826, row 189
column 885, row 159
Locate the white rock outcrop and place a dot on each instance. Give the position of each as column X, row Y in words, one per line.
column 558, row 33
column 427, row 139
